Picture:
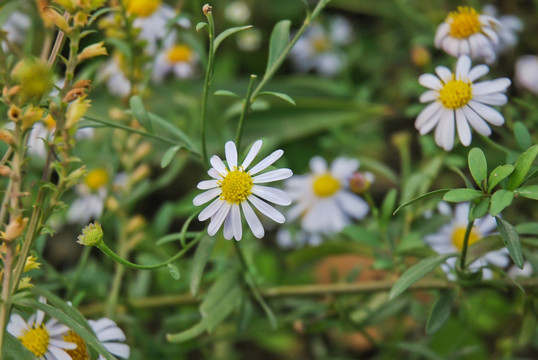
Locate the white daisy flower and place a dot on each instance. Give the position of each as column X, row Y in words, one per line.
column 323, row 199
column 249, row 39
column 16, row 27
column 466, row 32
column 507, row 29
column 515, row 272
column 526, row 73
column 117, row 82
column 449, row 239
column 237, row 12
column 318, row 49
column 181, row 59
column 457, row 102
column 42, row 339
column 236, row 188
column 287, row 239
column 91, row 198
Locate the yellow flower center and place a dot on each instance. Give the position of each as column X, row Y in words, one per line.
column 236, row 186
column 179, row 53
column 96, row 179
column 464, row 22
column 326, row 185
column 49, row 122
column 459, row 234
column 36, row 339
column 455, row 93
column 320, row 44
column 80, row 352
column 143, row 8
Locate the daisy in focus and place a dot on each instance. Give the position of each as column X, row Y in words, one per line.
column 319, row 48
column 91, row 197
column 526, row 73
column 236, row 189
column 44, row 340
column 457, row 101
column 323, row 198
column 179, row 58
column 449, row 239
column 467, row 32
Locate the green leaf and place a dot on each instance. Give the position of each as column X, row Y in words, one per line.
column 174, row 271
column 417, row 272
column 201, row 25
column 422, row 197
column 280, row 38
column 480, row 209
column 440, row 311
column 527, row 228
column 223, row 35
column 387, row 208
column 461, row 195
column 226, row 93
column 122, row 46
column 201, row 256
column 522, row 167
column 522, row 135
column 156, row 119
column 500, row 173
column 478, row 167
column 280, row 95
column 511, row 241
column 169, row 155
column 140, row 113
column 228, row 303
column 529, row 192
column 500, row 200
column 13, row 349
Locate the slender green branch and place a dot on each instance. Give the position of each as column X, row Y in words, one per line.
column 208, row 79
column 465, row 244
column 78, row 271
column 244, row 112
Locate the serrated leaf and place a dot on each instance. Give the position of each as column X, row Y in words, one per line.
column 169, row 155
column 461, row 195
column 201, row 25
column 417, row 272
column 478, row 167
column 140, row 113
column 422, row 197
column 511, row 241
column 280, row 38
column 522, row 135
column 13, row 349
column 522, row 167
column 529, row 192
column 201, row 257
column 174, row 271
column 280, row 95
column 440, row 311
column 500, row 200
column 223, row 35
column 498, row 174
column 226, row 93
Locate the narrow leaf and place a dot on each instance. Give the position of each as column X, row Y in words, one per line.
column 166, row 125
column 461, row 195
column 511, row 241
column 527, row 228
column 140, row 113
column 186, row 335
column 522, row 135
column 226, row 93
column 500, row 200
column 201, row 25
column 478, row 167
column 529, row 192
column 280, row 95
column 500, row 173
column 223, row 35
column 422, row 197
column 280, row 37
column 174, row 271
column 169, row 155
column 388, row 207
column 13, row 349
column 201, row 257
column 522, row 167
column 440, row 311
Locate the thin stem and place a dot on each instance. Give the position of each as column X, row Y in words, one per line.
column 6, row 301
column 207, row 83
column 465, row 244
column 78, row 272
column 244, row 112
column 58, row 44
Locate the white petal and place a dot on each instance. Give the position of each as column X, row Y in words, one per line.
column 265, row 163
column 228, row 231
column 486, row 225
column 206, row 196
column 58, row 354
column 210, row 210
column 465, row 49
column 111, row 333
column 464, row 131
column 118, row 349
column 477, row 72
column 428, row 96
column 276, row 196
column 57, row 330
column 491, row 86
column 207, row 184
column 231, row 154
column 318, row 165
column 432, row 122
column 452, row 46
column 463, row 66
column 448, row 132
column 16, row 325
column 218, row 165
column 352, row 204
column 487, row 113
column 214, row 174
column 476, row 121
column 274, row 175
column 444, row 73
column 252, row 220
column 103, row 323
column 267, row 209
column 430, row 81
column 343, row 168
column 441, row 33
column 62, row 344
column 497, row 99
column 254, row 150
column 218, row 219
column 237, row 228
column 429, row 112
column 491, row 34
column 297, row 210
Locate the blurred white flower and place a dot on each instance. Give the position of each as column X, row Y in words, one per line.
column 16, row 26
column 236, row 188
column 526, row 73
column 466, row 32
column 515, row 272
column 91, row 197
column 323, row 200
column 249, row 40
column 117, row 82
column 237, row 12
column 507, row 28
column 288, row 239
column 449, row 239
column 111, row 336
column 457, row 101
column 179, row 58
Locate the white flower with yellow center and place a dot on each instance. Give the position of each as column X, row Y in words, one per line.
column 449, row 239
column 112, row 72
column 526, row 73
column 179, row 58
column 323, row 199
column 507, row 29
column 91, row 200
column 466, row 32
column 42, row 339
column 457, row 102
column 237, row 189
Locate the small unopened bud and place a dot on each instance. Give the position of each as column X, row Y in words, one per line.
column 7, row 137
column 360, row 183
column 80, row 19
column 34, row 77
column 112, row 204
column 5, row 171
column 14, row 229
column 69, row 5
column 31, row 263
column 142, row 150
column 54, row 17
column 93, row 50
column 14, row 113
column 420, row 56
column 207, row 9
column 25, row 283
column 140, row 173
column 76, row 110
column 30, row 116
column 74, row 94
column 135, row 224
column 92, row 235
column 9, row 92
column 83, row 84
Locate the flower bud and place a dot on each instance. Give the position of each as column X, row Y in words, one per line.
column 76, row 110
column 25, row 283
column 14, row 113
column 30, row 116
column 14, row 229
column 34, row 77
column 74, row 94
column 93, row 50
column 54, row 17
column 140, row 173
column 420, row 56
column 31, row 263
column 7, row 137
column 92, row 235
column 360, row 182
column 5, row 171
column 135, row 224
column 207, row 9
column 80, row 19
column 141, row 151
column 83, row 84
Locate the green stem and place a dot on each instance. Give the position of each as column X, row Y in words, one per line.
column 207, row 83
column 78, row 272
column 244, row 112
column 465, row 244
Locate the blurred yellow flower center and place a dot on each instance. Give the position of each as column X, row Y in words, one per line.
column 49, row 122
column 465, row 22
column 455, row 94
column 81, row 352
column 143, row 8
column 179, row 53
column 320, row 44
column 96, row 179
column 326, row 185
column 236, row 186
column 36, row 340
column 459, row 234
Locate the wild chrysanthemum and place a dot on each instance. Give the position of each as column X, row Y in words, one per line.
column 449, row 239
column 466, row 32
column 44, row 340
column 526, row 73
column 91, row 201
column 237, row 189
column 323, row 199
column 179, row 58
column 508, row 28
column 457, row 102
